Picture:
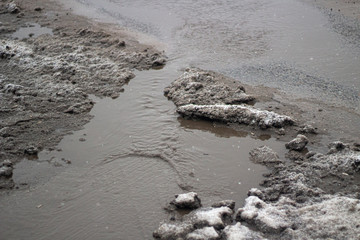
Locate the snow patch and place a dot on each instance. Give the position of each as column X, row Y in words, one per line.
column 239, row 232
column 208, row 233
column 212, row 216
column 187, row 200
column 237, row 113
column 265, row 216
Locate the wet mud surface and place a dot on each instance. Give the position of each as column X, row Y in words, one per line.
column 46, row 78
column 130, row 152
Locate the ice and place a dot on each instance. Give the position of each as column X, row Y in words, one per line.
column 212, row 216
column 266, row 217
column 240, row 232
column 236, row 113
column 206, row 233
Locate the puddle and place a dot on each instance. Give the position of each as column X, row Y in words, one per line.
column 138, row 153
column 135, row 158
column 278, row 43
column 31, row 30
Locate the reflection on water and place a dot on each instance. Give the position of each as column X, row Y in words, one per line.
column 219, row 129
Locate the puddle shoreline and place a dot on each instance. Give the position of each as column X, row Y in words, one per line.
column 102, row 180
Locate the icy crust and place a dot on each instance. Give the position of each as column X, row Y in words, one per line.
column 316, row 197
column 208, row 233
column 200, row 87
column 243, row 114
column 89, row 69
column 216, row 217
column 335, row 218
column 173, row 231
column 209, row 95
column 332, row 218
column 241, row 232
column 6, row 172
column 346, row 161
column 187, row 200
column 328, row 217
column 224, row 203
column 264, row 216
column 199, row 223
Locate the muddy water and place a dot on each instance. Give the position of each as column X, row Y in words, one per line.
column 31, row 30
column 136, row 153
column 290, row 42
column 136, row 156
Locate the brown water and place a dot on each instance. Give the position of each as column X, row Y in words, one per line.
column 138, row 153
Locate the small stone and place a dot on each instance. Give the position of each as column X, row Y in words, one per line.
column 121, row 44
column 7, row 163
column 38, row 9
column 281, row 131
column 82, row 139
column 6, row 171
column 356, row 165
column 67, row 161
column 297, row 144
column 115, row 95
column 307, row 129
column 32, row 150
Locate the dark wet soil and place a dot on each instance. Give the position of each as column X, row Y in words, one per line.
column 46, row 76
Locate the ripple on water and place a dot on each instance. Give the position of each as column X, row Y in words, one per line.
column 136, row 157
column 137, row 153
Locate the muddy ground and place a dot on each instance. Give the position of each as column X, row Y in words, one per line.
column 46, row 79
column 46, row 83
column 297, row 199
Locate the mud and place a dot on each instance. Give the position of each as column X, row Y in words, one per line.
column 305, row 186
column 51, row 68
column 315, row 197
column 205, row 94
column 196, row 86
column 47, row 77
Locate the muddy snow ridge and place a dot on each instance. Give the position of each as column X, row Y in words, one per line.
column 315, row 196
column 205, row 94
column 46, row 81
